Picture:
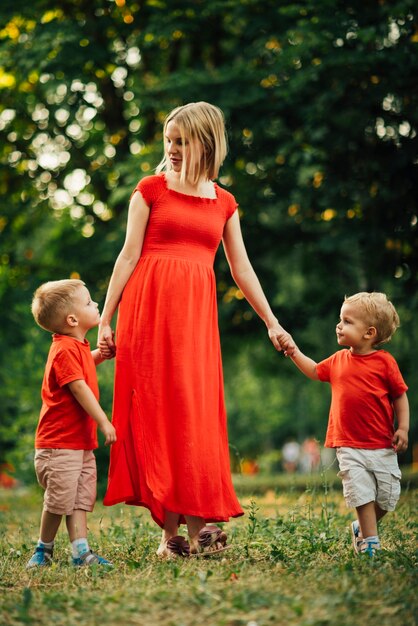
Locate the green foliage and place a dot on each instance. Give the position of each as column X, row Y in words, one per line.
column 321, row 103
column 284, row 539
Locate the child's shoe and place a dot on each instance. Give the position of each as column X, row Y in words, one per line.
column 369, row 546
column 355, row 535
column 90, row 558
column 40, row 558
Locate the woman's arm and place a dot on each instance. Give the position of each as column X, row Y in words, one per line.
column 246, row 279
column 138, row 215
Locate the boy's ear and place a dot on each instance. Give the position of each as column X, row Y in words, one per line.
column 71, row 320
column 371, row 333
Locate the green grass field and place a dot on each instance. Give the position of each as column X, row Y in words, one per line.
column 290, row 563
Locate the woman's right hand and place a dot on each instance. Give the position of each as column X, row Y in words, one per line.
column 281, row 339
column 105, row 341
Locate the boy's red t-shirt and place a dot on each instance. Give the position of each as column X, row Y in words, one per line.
column 63, row 423
column 363, row 390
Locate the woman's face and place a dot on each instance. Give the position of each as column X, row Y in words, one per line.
column 177, row 153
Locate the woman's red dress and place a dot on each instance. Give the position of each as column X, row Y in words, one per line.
column 169, row 413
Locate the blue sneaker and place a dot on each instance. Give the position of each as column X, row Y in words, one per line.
column 90, row 558
column 369, row 547
column 355, row 535
column 40, row 558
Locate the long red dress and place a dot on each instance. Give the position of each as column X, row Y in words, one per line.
column 169, row 413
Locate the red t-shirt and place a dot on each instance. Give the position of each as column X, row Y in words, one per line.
column 363, row 389
column 63, row 423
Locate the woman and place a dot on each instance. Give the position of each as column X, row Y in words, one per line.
column 172, row 450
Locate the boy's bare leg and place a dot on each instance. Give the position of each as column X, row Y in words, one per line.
column 77, row 531
column 50, row 523
column 44, row 549
column 77, row 525
column 379, row 512
column 368, row 515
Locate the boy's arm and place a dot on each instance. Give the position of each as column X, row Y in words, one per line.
column 400, row 438
column 98, row 358
column 86, row 398
column 306, row 365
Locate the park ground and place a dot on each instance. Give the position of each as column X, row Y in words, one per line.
column 290, row 563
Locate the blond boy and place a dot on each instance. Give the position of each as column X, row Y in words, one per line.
column 368, row 394
column 66, row 435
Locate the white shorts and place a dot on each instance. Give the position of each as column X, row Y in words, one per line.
column 370, row 476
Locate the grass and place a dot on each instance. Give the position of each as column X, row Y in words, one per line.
column 290, row 563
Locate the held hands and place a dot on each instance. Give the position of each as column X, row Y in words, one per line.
column 105, row 342
column 281, row 340
column 400, row 440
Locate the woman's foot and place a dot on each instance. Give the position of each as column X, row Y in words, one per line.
column 174, row 547
column 162, row 549
column 194, row 526
column 170, row 530
column 210, row 540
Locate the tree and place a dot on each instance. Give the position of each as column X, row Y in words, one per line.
column 321, row 106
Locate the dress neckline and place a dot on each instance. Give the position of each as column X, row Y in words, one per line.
column 188, row 195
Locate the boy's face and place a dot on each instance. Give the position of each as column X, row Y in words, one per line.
column 352, row 330
column 85, row 310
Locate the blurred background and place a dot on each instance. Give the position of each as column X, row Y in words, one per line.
column 321, row 103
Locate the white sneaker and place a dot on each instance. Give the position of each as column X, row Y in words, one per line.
column 355, row 535
column 369, row 547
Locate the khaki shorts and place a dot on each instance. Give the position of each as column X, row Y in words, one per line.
column 370, row 476
column 69, row 478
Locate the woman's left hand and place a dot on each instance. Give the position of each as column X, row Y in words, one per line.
column 281, row 340
column 105, row 342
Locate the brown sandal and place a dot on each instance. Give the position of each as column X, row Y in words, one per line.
column 211, row 540
column 178, row 546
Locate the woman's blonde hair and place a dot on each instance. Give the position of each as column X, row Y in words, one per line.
column 52, row 302
column 205, row 123
column 376, row 311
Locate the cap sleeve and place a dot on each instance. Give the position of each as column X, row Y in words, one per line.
column 232, row 206
column 150, row 188
column 228, row 201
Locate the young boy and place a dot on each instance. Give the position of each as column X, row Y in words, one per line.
column 368, row 391
column 67, row 430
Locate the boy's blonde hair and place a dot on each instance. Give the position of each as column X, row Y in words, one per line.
column 377, row 311
column 52, row 302
column 203, row 122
